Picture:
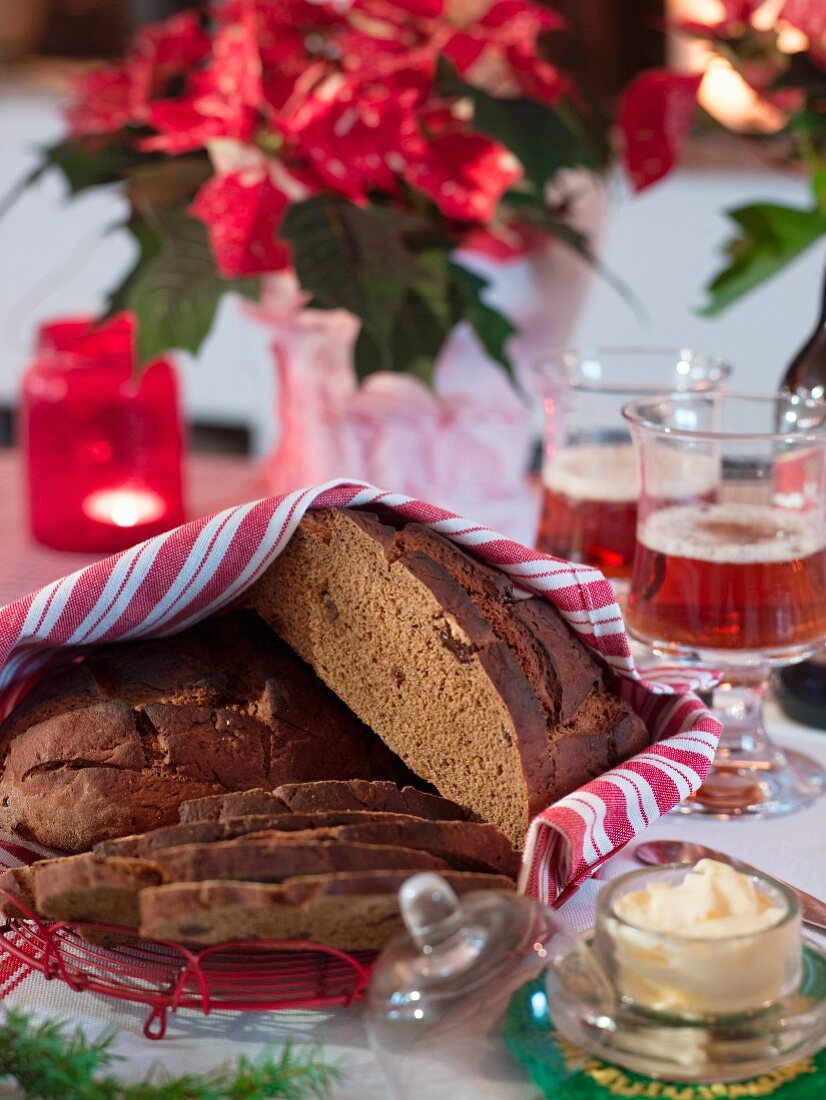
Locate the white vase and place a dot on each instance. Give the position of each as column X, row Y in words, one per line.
column 465, row 444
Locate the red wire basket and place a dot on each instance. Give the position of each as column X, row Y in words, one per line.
column 243, row 976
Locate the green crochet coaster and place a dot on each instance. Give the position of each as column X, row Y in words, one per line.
column 557, row 1068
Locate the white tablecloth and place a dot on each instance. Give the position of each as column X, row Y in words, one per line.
column 794, row 848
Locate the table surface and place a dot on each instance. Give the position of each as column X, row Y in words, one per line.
column 792, row 847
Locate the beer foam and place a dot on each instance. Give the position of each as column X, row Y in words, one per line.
column 604, row 472
column 607, row 473
column 737, row 534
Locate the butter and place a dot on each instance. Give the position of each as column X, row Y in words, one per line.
column 710, row 941
column 712, row 902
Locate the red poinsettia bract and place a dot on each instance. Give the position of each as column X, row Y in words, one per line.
column 243, row 212
column 655, row 116
column 359, row 135
column 465, row 174
column 113, row 96
column 426, row 9
column 501, row 48
column 102, row 103
column 223, row 100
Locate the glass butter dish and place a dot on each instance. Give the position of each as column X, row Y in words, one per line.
column 689, row 1006
column 679, row 1007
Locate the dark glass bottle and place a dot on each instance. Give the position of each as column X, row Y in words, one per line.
column 801, row 688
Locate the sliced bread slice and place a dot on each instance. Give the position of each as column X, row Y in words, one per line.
column 89, row 888
column 208, row 832
column 365, row 794
column 16, row 891
column 353, row 911
column 274, row 857
column 351, row 794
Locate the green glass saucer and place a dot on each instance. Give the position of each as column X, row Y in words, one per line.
column 564, row 1070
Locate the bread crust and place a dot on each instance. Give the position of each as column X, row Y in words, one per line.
column 114, row 745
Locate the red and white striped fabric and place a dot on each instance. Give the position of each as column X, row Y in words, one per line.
column 170, row 582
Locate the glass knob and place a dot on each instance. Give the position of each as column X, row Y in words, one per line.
column 430, row 910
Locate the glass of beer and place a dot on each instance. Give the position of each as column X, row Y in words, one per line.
column 730, row 568
column 589, row 473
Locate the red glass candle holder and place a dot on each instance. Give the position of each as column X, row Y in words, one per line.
column 102, row 443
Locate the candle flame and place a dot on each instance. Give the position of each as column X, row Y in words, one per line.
column 124, row 507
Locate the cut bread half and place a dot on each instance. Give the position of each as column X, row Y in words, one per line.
column 492, row 700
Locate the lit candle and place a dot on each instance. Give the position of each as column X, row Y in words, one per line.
column 124, row 507
column 103, row 446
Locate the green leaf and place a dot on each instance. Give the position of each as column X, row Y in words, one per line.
column 541, row 138
column 819, row 188
column 174, row 288
column 353, row 258
column 423, row 322
column 432, row 284
column 491, row 326
column 769, row 237
column 166, row 183
column 425, row 319
column 418, row 337
column 440, row 295
column 85, row 162
column 92, row 161
column 538, row 137
column 149, row 245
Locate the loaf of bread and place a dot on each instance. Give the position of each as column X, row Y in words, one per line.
column 112, row 745
column 490, row 698
column 352, row 910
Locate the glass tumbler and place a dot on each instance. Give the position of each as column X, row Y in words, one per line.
column 589, row 474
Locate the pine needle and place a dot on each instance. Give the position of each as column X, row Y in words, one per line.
column 48, row 1063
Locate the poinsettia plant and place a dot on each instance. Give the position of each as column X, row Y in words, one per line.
column 659, row 107
column 358, row 142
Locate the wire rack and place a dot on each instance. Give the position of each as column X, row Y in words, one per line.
column 243, row 976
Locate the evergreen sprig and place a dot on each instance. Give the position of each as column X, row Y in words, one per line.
column 48, row 1062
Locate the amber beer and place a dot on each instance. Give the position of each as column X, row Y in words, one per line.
column 730, row 576
column 589, row 507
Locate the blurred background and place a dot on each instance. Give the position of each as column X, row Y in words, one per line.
column 57, row 258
